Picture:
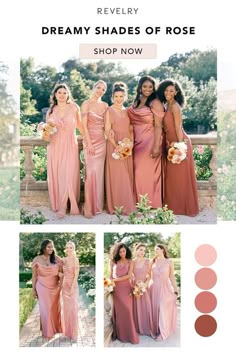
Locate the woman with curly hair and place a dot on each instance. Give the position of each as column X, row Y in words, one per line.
column 180, row 184
column 121, row 273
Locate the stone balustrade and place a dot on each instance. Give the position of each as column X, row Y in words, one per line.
column 206, row 189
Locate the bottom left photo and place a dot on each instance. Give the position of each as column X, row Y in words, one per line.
column 57, row 289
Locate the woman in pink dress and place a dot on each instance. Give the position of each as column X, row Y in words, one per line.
column 45, row 287
column 63, row 165
column 122, row 317
column 93, row 112
column 70, row 294
column 142, row 304
column 119, row 173
column 163, row 294
column 180, row 185
column 146, row 115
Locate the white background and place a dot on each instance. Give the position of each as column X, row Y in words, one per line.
column 20, row 35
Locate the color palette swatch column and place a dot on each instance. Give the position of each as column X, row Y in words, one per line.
column 205, row 301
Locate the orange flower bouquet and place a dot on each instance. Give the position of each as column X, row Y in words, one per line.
column 123, row 149
column 108, row 286
column 177, row 152
column 139, row 288
column 46, row 130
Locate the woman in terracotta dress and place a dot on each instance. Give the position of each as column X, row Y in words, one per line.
column 93, row 113
column 45, row 287
column 122, row 317
column 142, row 304
column 119, row 173
column 180, row 185
column 63, row 165
column 70, row 293
column 163, row 294
column 146, row 115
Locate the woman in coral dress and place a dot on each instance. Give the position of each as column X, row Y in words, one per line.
column 146, row 115
column 122, row 317
column 180, row 185
column 163, row 294
column 70, row 293
column 45, row 287
column 63, row 165
column 119, row 173
column 93, row 113
column 142, row 304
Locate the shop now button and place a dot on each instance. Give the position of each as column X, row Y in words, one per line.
column 117, row 51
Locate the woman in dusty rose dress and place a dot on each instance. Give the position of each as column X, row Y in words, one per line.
column 70, row 293
column 122, row 317
column 45, row 287
column 146, row 115
column 142, row 304
column 63, row 165
column 163, row 294
column 93, row 113
column 119, row 173
column 180, row 185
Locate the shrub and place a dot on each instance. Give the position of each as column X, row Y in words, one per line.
column 202, row 155
column 27, row 303
column 25, row 276
column 27, row 218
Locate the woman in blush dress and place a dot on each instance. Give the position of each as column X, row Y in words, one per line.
column 45, row 287
column 93, row 112
column 142, row 304
column 163, row 294
column 70, row 295
column 146, row 115
column 62, row 153
column 119, row 173
column 180, row 192
column 122, row 317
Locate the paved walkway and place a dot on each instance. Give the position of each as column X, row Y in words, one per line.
column 145, row 341
column 30, row 335
column 206, row 216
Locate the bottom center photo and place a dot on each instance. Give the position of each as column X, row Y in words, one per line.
column 142, row 282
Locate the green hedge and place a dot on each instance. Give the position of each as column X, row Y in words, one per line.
column 25, row 276
column 27, row 303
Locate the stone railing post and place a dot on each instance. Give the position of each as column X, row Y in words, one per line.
column 28, row 166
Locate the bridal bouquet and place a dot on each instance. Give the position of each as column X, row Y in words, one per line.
column 108, row 286
column 139, row 288
column 123, row 150
column 46, row 130
column 177, row 152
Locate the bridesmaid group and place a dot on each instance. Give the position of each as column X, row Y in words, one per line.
column 152, row 123
column 152, row 314
column 54, row 284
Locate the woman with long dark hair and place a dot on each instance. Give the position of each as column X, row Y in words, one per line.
column 93, row 113
column 63, row 165
column 45, row 287
column 146, row 115
column 180, row 185
column 121, row 273
column 163, row 294
column 119, row 172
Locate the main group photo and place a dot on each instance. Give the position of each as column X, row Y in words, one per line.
column 101, row 145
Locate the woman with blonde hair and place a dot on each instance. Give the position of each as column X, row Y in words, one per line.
column 93, row 118
column 70, row 293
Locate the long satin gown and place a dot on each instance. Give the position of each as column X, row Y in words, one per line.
column 119, row 173
column 49, row 298
column 147, row 171
column 63, row 165
column 163, row 301
column 122, row 317
column 94, row 165
column 70, row 303
column 142, row 305
column 180, row 186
